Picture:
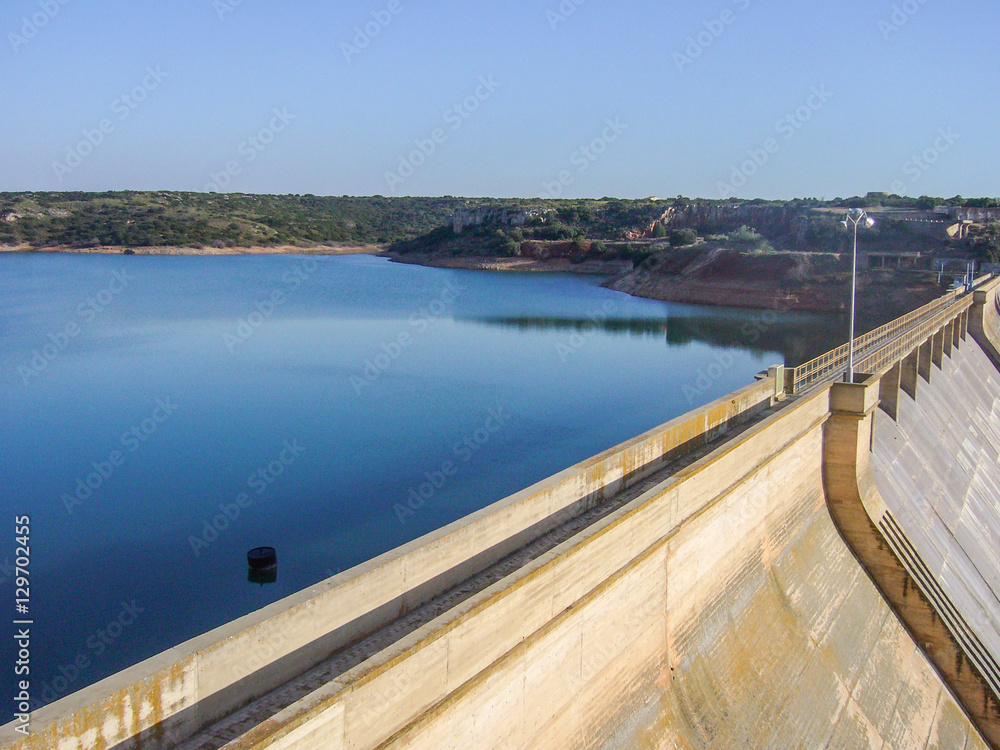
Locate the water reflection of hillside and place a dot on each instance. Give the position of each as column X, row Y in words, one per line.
column 798, row 338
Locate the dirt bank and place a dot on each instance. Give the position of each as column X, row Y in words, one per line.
column 545, row 265
column 814, row 282
column 704, row 275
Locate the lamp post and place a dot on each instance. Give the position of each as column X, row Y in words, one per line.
column 855, row 216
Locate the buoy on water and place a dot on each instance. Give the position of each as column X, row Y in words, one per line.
column 263, row 565
column 262, row 557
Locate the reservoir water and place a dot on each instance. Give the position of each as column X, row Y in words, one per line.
column 161, row 415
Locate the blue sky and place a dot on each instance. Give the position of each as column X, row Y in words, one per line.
column 754, row 98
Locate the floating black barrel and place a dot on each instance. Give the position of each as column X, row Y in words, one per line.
column 260, row 558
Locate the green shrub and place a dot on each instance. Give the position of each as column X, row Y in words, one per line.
column 511, row 248
column 744, row 236
column 682, row 237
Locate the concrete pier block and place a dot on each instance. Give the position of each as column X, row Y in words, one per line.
column 778, row 373
column 889, row 387
column 909, row 373
column 924, row 360
column 937, row 349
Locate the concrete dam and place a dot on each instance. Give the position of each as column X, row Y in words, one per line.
column 803, row 563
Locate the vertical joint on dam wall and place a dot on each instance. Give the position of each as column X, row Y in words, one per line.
column 868, row 527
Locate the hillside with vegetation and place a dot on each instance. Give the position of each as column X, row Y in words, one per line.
column 146, row 219
column 752, row 253
column 610, row 229
column 792, row 255
column 582, row 229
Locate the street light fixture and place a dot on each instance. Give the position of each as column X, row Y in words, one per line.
column 855, row 216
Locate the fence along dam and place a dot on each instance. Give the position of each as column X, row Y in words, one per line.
column 803, row 563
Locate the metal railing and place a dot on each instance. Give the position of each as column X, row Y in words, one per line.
column 880, row 349
column 883, row 359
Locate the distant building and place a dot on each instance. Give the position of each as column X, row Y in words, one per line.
column 977, row 214
column 930, row 223
column 960, row 213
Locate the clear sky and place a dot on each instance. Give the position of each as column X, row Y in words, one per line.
column 580, row 98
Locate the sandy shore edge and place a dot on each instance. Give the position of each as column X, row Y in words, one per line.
column 546, row 265
column 340, row 249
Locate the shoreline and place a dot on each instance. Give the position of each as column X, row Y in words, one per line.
column 748, row 294
column 339, row 249
column 515, row 265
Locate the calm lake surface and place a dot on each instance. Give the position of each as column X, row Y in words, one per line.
column 161, row 415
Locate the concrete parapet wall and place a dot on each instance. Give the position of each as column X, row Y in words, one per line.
column 164, row 699
column 719, row 609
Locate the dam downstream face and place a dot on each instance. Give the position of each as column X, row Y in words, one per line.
column 163, row 415
column 937, row 468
